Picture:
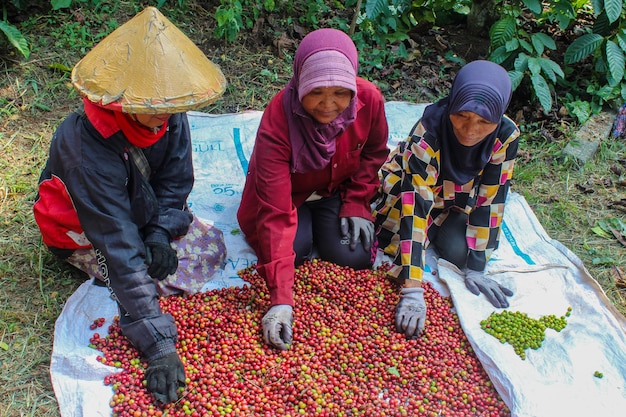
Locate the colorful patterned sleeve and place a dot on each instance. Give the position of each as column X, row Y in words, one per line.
column 483, row 231
column 408, row 181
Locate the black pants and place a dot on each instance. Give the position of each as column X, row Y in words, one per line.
column 319, row 227
column 449, row 239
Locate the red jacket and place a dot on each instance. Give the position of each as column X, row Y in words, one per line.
column 268, row 211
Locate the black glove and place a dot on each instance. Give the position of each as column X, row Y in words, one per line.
column 358, row 228
column 161, row 258
column 164, row 376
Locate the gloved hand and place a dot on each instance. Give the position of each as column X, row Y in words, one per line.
column 411, row 312
column 358, row 227
column 164, row 376
column 477, row 282
column 277, row 326
column 161, row 258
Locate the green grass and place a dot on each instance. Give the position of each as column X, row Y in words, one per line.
column 569, row 199
column 36, row 95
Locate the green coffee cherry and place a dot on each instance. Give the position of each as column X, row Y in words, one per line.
column 520, row 331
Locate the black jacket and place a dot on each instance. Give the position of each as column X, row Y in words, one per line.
column 91, row 184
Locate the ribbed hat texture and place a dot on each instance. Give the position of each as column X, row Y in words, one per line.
column 327, row 68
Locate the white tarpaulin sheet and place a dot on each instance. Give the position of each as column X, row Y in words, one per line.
column 555, row 380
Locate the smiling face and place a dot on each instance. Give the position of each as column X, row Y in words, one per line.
column 470, row 128
column 326, row 103
column 151, row 121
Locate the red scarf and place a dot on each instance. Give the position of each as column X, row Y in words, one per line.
column 108, row 122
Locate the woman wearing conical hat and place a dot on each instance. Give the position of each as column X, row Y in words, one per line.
column 112, row 198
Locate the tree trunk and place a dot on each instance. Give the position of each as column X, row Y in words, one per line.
column 482, row 15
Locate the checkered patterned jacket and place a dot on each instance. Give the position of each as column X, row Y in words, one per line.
column 414, row 197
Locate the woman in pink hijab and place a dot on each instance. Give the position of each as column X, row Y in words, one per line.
column 313, row 172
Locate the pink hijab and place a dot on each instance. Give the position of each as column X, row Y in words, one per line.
column 313, row 143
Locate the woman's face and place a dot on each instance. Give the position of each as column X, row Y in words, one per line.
column 151, row 120
column 326, row 103
column 470, row 128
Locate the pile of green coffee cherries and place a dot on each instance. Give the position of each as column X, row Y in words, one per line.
column 520, row 331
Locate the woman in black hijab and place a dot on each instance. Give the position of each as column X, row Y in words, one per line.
column 446, row 185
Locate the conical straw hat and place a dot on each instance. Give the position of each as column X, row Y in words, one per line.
column 148, row 65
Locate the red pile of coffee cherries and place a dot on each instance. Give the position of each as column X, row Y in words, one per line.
column 346, row 358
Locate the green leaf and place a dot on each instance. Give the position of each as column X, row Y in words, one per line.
column 565, row 8
column 601, row 232
column 618, row 224
column 597, row 6
column 601, row 25
column 521, row 62
column 534, row 66
column 563, row 21
column 16, row 38
column 269, row 5
column 4, row 346
column 42, row 106
column 605, row 260
column 499, row 55
column 403, row 53
column 613, row 227
column 550, row 68
column 613, row 9
column 526, row 45
column 544, row 40
column 537, row 44
column 516, row 78
column 452, row 57
column 564, row 13
column 534, row 6
column 542, row 91
column 461, row 8
column 621, row 39
column 393, row 371
column 615, row 61
column 613, row 223
column 582, row 48
column 512, row 45
column 60, row 67
column 374, row 8
column 60, row 4
column 580, row 109
column 502, row 31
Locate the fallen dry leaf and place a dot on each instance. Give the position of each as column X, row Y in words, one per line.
column 618, row 277
column 616, row 169
column 584, row 189
column 79, row 16
column 619, row 236
column 441, row 43
column 606, row 182
column 620, row 204
column 284, row 43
